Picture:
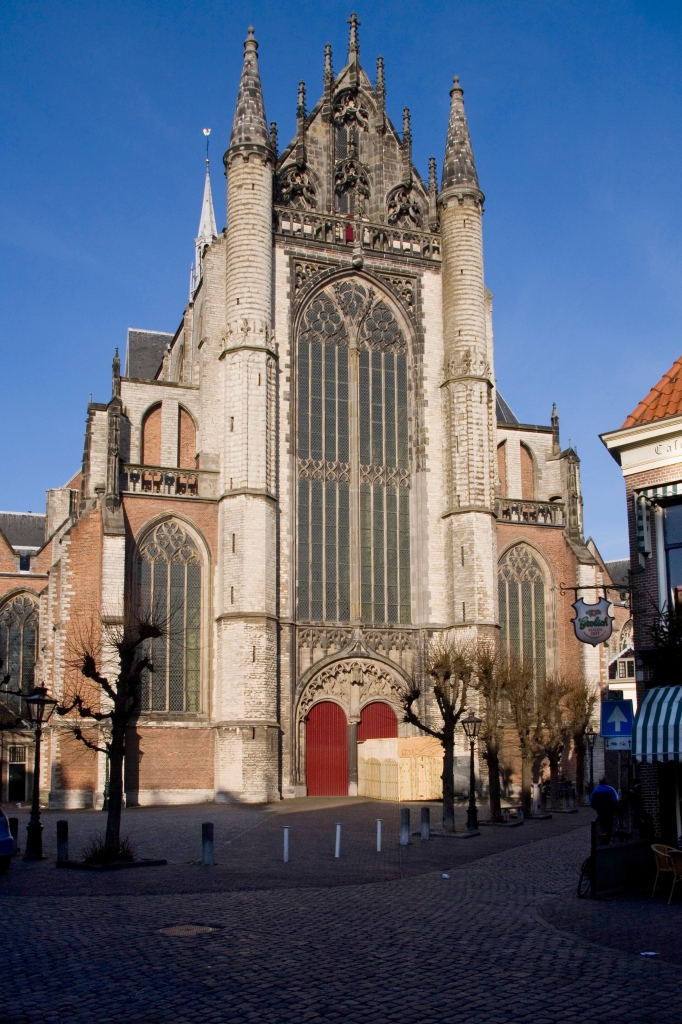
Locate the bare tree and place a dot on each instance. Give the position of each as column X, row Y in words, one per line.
column 551, row 725
column 580, row 704
column 449, row 667
column 112, row 699
column 489, row 681
column 519, row 686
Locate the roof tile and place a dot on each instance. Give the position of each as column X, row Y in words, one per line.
column 665, row 399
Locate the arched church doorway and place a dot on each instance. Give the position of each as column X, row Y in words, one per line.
column 326, row 750
column 377, row 722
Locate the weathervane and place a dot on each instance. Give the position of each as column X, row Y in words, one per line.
column 207, row 132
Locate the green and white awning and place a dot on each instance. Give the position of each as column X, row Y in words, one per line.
column 657, row 729
column 662, row 491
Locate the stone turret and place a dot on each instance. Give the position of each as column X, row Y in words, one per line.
column 468, row 378
column 245, row 592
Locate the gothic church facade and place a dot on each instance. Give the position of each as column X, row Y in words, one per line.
column 311, row 477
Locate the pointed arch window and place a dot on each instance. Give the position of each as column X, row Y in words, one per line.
column 523, row 612
column 19, row 646
column 353, row 460
column 169, row 582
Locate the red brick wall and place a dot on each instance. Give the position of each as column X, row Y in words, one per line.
column 151, row 438
column 187, row 440
column 527, row 474
column 78, row 764
column 174, row 758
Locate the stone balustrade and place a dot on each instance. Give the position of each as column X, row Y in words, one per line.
column 334, row 230
column 534, row 513
column 183, row 483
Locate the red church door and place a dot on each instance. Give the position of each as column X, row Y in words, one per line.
column 377, row 722
column 326, row 739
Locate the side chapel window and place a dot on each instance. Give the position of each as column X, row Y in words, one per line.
column 522, row 610
column 352, row 426
column 18, row 646
column 169, row 581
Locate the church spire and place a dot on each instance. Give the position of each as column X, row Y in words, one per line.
column 207, row 228
column 249, row 128
column 459, row 169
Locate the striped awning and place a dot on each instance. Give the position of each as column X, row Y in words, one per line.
column 657, row 729
column 662, row 491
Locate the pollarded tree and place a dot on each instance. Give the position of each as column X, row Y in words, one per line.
column 580, row 705
column 111, row 700
column 518, row 684
column 448, row 668
column 489, row 682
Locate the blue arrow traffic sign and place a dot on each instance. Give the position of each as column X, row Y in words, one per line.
column 616, row 718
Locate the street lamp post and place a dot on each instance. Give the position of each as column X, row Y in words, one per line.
column 471, row 725
column 591, row 737
column 40, row 708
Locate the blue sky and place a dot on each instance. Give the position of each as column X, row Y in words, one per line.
column 575, row 112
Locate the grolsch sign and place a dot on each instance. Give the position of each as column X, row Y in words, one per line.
column 592, row 622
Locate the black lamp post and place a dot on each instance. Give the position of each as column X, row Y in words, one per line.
column 471, row 725
column 591, row 737
column 40, row 708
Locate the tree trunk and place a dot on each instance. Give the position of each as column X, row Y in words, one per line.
column 112, row 841
column 492, row 756
column 553, row 758
column 579, row 740
column 526, row 796
column 449, row 783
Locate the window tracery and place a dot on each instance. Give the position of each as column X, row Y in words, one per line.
column 19, row 646
column 296, row 188
column 404, row 207
column 523, row 613
column 169, row 582
column 333, row 438
column 351, row 185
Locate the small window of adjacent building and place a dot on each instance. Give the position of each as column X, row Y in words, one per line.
column 24, row 563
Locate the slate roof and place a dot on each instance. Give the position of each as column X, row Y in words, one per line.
column 23, row 529
column 249, row 127
column 504, row 413
column 459, row 167
column 144, row 354
column 665, row 399
column 619, row 571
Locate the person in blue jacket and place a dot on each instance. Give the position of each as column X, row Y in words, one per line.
column 604, row 801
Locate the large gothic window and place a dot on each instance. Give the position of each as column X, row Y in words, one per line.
column 353, row 460
column 169, row 582
column 523, row 609
column 19, row 646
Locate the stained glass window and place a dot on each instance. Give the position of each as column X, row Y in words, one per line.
column 523, row 611
column 169, row 582
column 364, row 435
column 19, row 646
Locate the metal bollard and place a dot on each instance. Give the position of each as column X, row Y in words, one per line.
column 426, row 822
column 286, row 843
column 14, row 832
column 404, row 826
column 378, row 835
column 337, row 845
column 62, row 840
column 207, row 844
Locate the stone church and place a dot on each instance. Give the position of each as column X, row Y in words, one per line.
column 310, row 478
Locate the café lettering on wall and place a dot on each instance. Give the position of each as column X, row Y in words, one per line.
column 592, row 622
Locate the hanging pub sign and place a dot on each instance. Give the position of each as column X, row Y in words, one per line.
column 592, row 622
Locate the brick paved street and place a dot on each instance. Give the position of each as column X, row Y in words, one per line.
column 367, row 939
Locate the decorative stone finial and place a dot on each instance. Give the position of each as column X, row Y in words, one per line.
column 273, row 137
column 381, row 83
column 250, row 44
column 407, row 132
column 353, row 43
column 433, row 178
column 328, row 69
column 301, row 111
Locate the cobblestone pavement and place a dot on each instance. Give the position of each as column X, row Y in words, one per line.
column 415, row 947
